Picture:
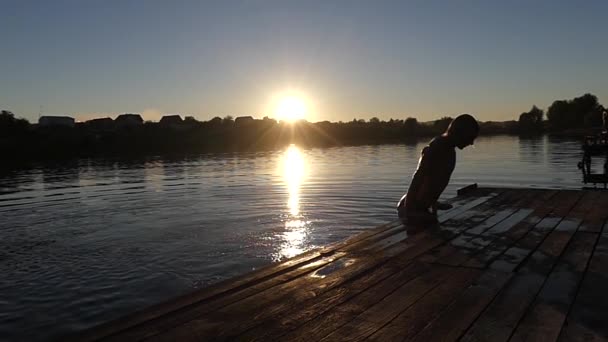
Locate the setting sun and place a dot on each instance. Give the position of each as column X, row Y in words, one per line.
column 290, row 108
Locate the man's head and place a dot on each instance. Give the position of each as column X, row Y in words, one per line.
column 463, row 130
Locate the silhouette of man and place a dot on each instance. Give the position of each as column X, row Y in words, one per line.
column 435, row 167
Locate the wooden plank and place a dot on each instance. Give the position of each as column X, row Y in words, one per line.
column 439, row 241
column 267, row 273
column 515, row 255
column 587, row 319
column 396, row 247
column 186, row 313
column 500, row 319
column 502, row 316
column 389, row 307
column 392, row 275
column 485, row 214
column 467, row 189
column 498, row 236
column 249, row 284
column 470, row 244
column 470, row 205
column 597, row 216
column 390, row 236
column 548, row 312
column 404, row 232
column 275, row 272
column 296, row 313
column 235, row 318
column 542, row 206
column 411, row 321
column 420, row 246
column 460, row 249
column 414, row 319
column 325, row 323
column 478, row 213
column 452, row 323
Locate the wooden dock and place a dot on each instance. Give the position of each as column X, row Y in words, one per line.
column 504, row 264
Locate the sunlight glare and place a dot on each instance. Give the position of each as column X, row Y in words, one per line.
column 295, row 235
column 291, row 108
column 293, row 174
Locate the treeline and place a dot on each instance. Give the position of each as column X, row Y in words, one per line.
column 583, row 112
column 21, row 140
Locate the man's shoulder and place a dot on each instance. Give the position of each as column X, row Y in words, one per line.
column 441, row 143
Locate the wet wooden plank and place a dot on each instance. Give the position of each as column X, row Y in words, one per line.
column 393, row 249
column 587, row 319
column 288, row 321
column 541, row 206
column 515, row 255
column 486, row 215
column 547, row 313
column 476, row 239
column 497, row 241
column 153, row 326
column 272, row 274
column 477, row 214
column 375, row 286
column 462, row 248
column 332, row 319
column 498, row 322
column 472, row 204
column 392, row 275
column 501, row 317
column 235, row 318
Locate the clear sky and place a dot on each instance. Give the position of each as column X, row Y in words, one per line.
column 348, row 58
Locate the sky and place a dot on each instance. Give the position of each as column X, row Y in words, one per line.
column 346, row 59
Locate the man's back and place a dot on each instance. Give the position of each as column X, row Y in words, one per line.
column 435, row 167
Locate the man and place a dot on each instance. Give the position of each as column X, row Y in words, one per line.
column 435, row 167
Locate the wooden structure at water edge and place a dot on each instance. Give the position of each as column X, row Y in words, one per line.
column 503, row 264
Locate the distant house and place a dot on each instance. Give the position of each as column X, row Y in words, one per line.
column 63, row 121
column 171, row 120
column 243, row 121
column 101, row 124
column 129, row 120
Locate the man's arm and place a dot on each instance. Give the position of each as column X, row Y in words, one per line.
column 433, row 184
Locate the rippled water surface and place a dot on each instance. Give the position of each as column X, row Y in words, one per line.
column 91, row 240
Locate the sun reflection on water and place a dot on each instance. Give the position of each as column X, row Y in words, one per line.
column 296, row 230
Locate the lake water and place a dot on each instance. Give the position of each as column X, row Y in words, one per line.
column 92, row 240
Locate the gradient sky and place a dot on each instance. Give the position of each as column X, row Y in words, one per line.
column 360, row 59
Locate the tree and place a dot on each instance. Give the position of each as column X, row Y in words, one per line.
column 531, row 121
column 410, row 127
column 578, row 112
column 9, row 125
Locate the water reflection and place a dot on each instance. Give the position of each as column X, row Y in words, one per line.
column 295, row 233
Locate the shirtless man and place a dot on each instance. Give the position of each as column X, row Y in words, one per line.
column 435, row 167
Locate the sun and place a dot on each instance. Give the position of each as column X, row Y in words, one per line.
column 291, row 108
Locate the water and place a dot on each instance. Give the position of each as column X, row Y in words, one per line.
column 90, row 241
